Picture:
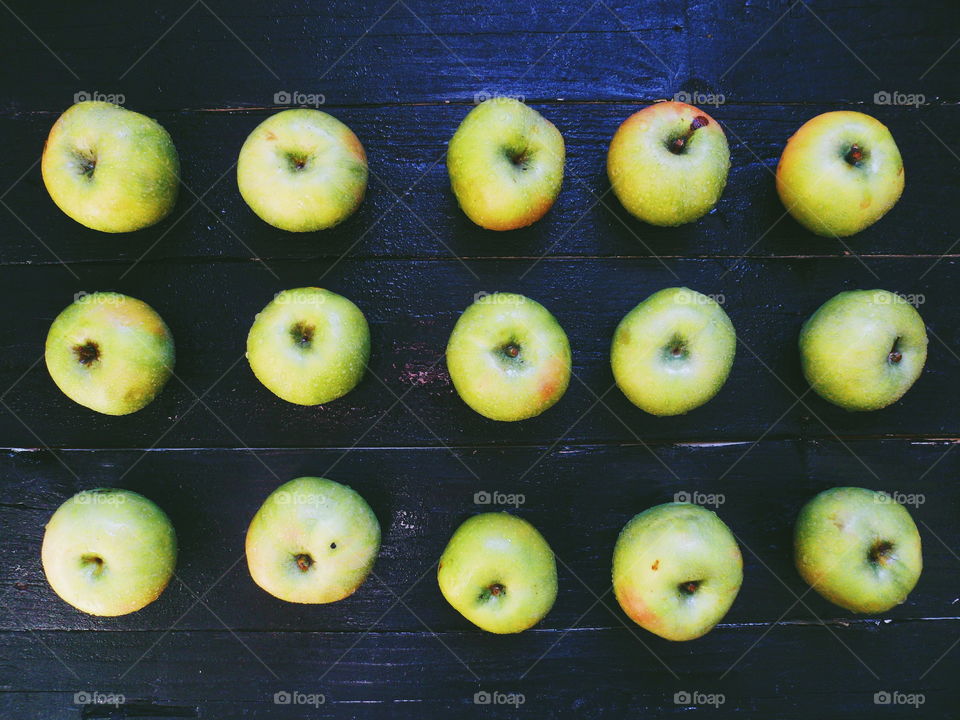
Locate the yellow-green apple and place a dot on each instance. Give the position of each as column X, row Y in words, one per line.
column 508, row 357
column 312, row 541
column 673, row 352
column 109, row 551
column 302, row 170
column 109, row 352
column 863, row 349
column 309, row 346
column 109, row 168
column 677, row 569
column 858, row 548
column 499, row 573
column 840, row 173
column 668, row 163
column 506, row 164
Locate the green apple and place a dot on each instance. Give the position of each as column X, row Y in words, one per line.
column 499, row 573
column 109, row 551
column 302, row 170
column 508, row 357
column 312, row 541
column 309, row 346
column 109, row 352
column 110, row 169
column 858, row 548
column 677, row 569
column 863, row 349
column 840, row 173
column 668, row 163
column 506, row 164
column 673, row 352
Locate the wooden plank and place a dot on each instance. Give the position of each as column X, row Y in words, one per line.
column 578, row 496
column 417, row 51
column 410, row 212
column 412, row 307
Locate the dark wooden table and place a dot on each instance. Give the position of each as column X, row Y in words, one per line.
column 402, row 74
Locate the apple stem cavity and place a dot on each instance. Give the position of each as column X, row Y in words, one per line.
column 304, row 561
column 495, row 590
column 302, row 335
column 881, row 552
column 689, row 587
column 679, row 144
column 511, row 350
column 895, row 355
column 298, row 161
column 94, row 563
column 87, row 353
column 87, row 163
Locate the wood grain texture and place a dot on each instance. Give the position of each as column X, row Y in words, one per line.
column 403, row 74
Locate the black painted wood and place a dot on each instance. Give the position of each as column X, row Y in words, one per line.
column 403, row 74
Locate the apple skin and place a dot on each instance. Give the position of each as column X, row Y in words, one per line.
column 506, row 164
column 499, row 573
column 673, row 352
column 491, row 381
column 662, row 550
column 825, row 192
column 662, row 186
column 109, row 168
column 110, row 352
column 840, row 549
column 109, row 552
column 847, row 349
column 312, row 541
column 309, row 346
column 302, row 170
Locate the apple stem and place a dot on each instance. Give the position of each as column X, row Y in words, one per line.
column 854, row 154
column 87, row 353
column 304, row 562
column 511, row 350
column 678, row 145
